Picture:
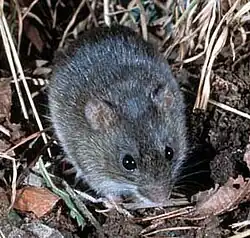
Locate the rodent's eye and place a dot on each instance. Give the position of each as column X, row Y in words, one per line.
column 169, row 153
column 128, row 163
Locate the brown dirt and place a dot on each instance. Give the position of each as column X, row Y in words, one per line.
column 217, row 138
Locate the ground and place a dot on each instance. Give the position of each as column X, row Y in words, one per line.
column 217, row 137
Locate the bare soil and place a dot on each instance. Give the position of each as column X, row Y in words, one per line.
column 217, row 138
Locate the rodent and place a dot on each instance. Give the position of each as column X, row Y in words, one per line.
column 119, row 115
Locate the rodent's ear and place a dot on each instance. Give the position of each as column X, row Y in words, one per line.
column 162, row 97
column 99, row 114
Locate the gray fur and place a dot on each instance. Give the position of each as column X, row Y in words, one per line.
column 142, row 107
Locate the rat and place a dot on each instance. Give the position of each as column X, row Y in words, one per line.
column 118, row 113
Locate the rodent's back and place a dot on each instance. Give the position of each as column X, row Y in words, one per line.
column 101, row 50
column 98, row 62
column 111, row 95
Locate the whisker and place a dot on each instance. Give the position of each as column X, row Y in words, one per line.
column 192, row 183
column 191, row 174
column 192, row 165
column 185, row 190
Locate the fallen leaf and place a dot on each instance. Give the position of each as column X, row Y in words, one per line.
column 5, row 100
column 42, row 71
column 33, row 35
column 219, row 200
column 36, row 200
column 40, row 63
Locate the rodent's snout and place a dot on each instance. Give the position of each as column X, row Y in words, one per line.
column 156, row 194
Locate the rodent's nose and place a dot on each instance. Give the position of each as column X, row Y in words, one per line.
column 156, row 194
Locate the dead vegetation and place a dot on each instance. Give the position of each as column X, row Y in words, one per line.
column 196, row 35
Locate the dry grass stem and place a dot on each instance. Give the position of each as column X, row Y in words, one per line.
column 71, row 23
column 54, row 14
column 1, row 234
column 214, row 48
column 92, row 13
column 122, row 11
column 175, row 213
column 240, row 224
column 17, row 70
column 107, row 18
column 30, row 137
column 27, row 11
column 4, row 131
column 180, row 228
column 5, row 36
column 131, row 5
column 224, row 106
column 33, row 16
column 143, row 20
column 242, row 234
column 206, row 22
column 229, row 109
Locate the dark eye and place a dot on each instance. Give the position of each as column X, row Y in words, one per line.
column 129, row 163
column 169, row 153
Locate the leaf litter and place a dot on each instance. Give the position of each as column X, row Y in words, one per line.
column 36, row 200
column 187, row 32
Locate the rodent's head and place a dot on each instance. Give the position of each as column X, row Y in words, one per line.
column 138, row 139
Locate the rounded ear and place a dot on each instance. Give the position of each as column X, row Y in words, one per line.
column 99, row 114
column 162, row 97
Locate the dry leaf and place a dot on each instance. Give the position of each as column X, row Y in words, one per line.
column 5, row 100
column 220, row 200
column 41, row 63
column 33, row 34
column 36, row 200
column 42, row 71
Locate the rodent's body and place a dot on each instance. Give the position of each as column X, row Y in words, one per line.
column 112, row 96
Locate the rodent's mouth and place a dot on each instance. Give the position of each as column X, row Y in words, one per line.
column 146, row 204
column 154, row 195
